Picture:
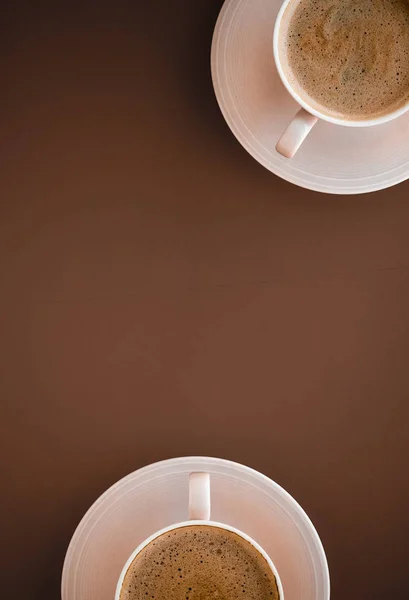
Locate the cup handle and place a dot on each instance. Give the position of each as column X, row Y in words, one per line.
column 295, row 133
column 199, row 496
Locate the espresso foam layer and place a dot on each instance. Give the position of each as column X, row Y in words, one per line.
column 350, row 56
column 199, row 563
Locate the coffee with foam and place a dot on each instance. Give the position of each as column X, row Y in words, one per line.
column 348, row 58
column 199, row 562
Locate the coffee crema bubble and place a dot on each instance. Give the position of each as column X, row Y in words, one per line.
column 198, row 562
column 350, row 56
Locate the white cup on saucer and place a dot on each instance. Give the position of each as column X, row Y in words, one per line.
column 199, row 514
column 310, row 111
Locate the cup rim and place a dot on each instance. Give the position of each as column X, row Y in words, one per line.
column 320, row 115
column 206, row 523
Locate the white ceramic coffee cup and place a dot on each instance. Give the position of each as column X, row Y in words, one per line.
column 308, row 115
column 199, row 514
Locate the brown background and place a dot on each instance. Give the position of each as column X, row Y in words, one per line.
column 154, row 276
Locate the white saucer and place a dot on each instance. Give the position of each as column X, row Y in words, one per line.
column 157, row 496
column 257, row 108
